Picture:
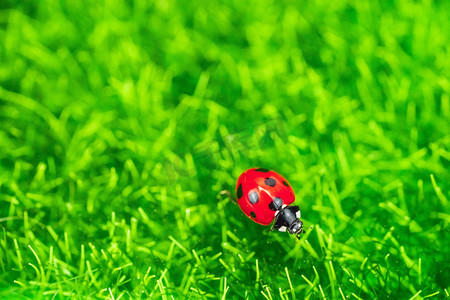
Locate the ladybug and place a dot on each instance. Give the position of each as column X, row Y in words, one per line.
column 264, row 195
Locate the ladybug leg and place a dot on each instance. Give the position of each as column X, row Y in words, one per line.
column 272, row 228
column 227, row 193
column 275, row 225
column 278, row 225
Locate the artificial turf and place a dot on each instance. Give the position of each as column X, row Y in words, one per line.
column 122, row 121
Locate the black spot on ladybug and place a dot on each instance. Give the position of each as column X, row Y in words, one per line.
column 253, row 214
column 262, row 170
column 272, row 207
column 239, row 192
column 270, row 181
column 285, row 183
column 253, row 197
column 276, row 204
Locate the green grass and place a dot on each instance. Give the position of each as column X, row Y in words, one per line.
column 121, row 122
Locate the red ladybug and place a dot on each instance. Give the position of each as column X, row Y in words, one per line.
column 264, row 195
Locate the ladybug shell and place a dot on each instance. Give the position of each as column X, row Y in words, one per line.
column 257, row 188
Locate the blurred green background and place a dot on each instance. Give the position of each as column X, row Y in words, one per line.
column 121, row 121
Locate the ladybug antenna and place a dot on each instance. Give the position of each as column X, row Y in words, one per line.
column 227, row 194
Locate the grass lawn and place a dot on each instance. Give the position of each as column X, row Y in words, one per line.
column 122, row 121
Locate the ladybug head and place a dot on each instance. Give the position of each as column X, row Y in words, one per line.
column 296, row 228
